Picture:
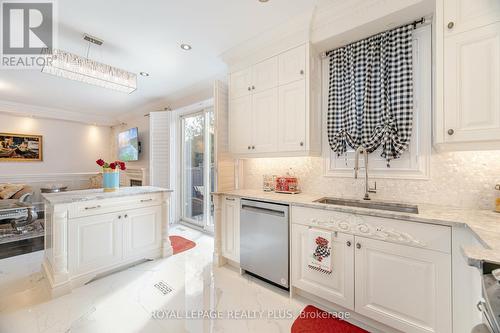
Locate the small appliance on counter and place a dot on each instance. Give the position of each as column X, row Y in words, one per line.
column 497, row 201
column 288, row 184
column 268, row 183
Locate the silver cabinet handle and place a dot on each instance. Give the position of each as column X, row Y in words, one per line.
column 451, row 25
column 348, row 243
column 451, row 131
column 146, row 200
column 230, row 199
column 93, row 207
column 358, row 246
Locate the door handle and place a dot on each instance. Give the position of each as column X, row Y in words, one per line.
column 93, row 207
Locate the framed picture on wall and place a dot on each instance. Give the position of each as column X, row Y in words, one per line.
column 20, row 147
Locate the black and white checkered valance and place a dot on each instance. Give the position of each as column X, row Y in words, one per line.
column 370, row 100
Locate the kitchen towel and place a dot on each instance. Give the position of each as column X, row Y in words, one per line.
column 320, row 248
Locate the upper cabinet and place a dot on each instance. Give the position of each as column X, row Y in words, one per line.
column 464, row 15
column 468, row 74
column 273, row 109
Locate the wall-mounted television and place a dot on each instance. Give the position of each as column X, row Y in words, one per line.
column 128, row 145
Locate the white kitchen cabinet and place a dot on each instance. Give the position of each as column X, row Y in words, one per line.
column 142, row 230
column 292, row 65
column 265, row 75
column 464, row 15
column 337, row 287
column 94, row 242
column 467, row 89
column 292, row 117
column 230, row 228
column 472, row 86
column 403, row 287
column 264, row 123
column 240, row 125
column 241, row 83
column 284, row 106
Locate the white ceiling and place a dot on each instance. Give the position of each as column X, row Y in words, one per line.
column 145, row 36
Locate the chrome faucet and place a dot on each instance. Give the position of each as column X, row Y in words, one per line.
column 368, row 189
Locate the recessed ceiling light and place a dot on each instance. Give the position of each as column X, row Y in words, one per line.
column 144, row 74
column 186, row 47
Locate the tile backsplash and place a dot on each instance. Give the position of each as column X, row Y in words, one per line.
column 460, row 179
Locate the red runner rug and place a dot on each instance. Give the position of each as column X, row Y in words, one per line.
column 314, row 320
column 181, row 244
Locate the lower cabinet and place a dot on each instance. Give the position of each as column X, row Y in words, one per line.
column 337, row 287
column 142, row 230
column 404, row 287
column 94, row 242
column 100, row 241
column 230, row 228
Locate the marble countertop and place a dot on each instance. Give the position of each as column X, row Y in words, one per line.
column 484, row 224
column 99, row 194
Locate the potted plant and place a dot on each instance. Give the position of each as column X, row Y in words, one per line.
column 111, row 174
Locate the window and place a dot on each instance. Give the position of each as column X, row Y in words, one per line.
column 415, row 163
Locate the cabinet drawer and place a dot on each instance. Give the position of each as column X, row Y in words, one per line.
column 95, row 207
column 421, row 235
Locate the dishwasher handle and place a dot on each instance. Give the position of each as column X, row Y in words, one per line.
column 267, row 211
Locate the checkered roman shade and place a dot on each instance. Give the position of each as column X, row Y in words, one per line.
column 370, row 100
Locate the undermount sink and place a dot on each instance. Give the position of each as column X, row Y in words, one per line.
column 390, row 206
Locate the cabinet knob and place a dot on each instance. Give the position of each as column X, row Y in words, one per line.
column 349, row 243
column 249, row 88
column 119, row 216
column 358, row 246
column 302, row 72
column 253, row 87
column 253, row 147
column 249, row 147
column 126, row 216
column 451, row 131
column 451, row 25
column 302, row 144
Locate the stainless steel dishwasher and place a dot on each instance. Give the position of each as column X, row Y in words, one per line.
column 264, row 241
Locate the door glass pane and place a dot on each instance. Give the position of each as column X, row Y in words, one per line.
column 193, row 152
column 211, row 131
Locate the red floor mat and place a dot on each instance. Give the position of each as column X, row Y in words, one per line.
column 314, row 320
column 181, row 244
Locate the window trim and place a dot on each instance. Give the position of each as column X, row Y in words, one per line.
column 424, row 120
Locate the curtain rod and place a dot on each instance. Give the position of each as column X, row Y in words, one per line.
column 414, row 23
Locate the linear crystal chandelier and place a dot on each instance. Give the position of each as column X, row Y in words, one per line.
column 77, row 68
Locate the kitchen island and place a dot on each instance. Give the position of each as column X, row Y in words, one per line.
column 89, row 233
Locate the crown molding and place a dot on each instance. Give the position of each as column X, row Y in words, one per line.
column 35, row 111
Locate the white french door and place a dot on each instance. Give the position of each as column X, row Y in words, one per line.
column 197, row 165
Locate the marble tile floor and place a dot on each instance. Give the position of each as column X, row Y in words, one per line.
column 128, row 301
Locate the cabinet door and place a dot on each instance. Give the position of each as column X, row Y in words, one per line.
column 265, row 75
column 231, row 228
column 292, row 65
column 466, row 15
column 265, row 121
column 472, row 87
column 94, row 242
column 240, row 125
column 337, row 287
column 292, row 117
column 240, row 83
column 404, row 287
column 142, row 230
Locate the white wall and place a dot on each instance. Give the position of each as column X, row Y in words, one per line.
column 68, row 147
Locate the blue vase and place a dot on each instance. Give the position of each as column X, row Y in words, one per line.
column 110, row 179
